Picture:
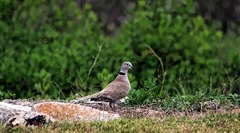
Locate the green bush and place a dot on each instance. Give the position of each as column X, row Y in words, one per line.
column 54, row 49
column 174, row 46
column 47, row 47
column 229, row 58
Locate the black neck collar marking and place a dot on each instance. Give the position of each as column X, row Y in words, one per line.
column 121, row 73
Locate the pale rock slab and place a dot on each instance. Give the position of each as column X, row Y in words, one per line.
column 73, row 112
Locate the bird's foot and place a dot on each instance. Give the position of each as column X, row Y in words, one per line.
column 76, row 101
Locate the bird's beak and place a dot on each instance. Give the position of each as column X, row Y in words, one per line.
column 132, row 68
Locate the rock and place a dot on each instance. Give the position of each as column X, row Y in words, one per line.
column 210, row 105
column 28, row 119
column 15, row 107
column 72, row 112
column 35, row 113
column 14, row 115
column 5, row 114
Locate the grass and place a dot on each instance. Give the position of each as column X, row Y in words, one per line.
column 227, row 122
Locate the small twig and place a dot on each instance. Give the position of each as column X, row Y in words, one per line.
column 210, row 80
column 230, row 82
column 81, row 80
column 161, row 63
column 94, row 63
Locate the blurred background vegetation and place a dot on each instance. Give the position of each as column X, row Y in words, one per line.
column 56, row 49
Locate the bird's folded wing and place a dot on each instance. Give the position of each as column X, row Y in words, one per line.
column 116, row 90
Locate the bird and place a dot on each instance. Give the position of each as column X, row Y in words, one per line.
column 114, row 91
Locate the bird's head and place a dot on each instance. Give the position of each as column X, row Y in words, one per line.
column 126, row 65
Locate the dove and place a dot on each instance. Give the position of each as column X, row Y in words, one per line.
column 114, row 91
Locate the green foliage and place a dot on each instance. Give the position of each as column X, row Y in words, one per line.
column 54, row 49
column 201, row 102
column 173, row 45
column 105, row 77
column 145, row 95
column 228, row 54
column 45, row 45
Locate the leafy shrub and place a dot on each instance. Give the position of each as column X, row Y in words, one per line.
column 45, row 46
column 229, row 58
column 173, row 45
column 54, row 49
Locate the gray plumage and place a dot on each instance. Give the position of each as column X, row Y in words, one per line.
column 114, row 91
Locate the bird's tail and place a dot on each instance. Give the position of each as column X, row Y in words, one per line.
column 84, row 99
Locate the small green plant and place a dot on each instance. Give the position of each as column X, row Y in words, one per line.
column 200, row 102
column 6, row 95
column 145, row 95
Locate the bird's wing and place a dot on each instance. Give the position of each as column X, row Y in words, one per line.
column 115, row 90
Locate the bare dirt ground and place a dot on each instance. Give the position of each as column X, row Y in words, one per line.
column 150, row 111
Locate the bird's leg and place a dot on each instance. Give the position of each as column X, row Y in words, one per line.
column 112, row 106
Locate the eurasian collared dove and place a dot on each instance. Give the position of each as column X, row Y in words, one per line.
column 114, row 91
